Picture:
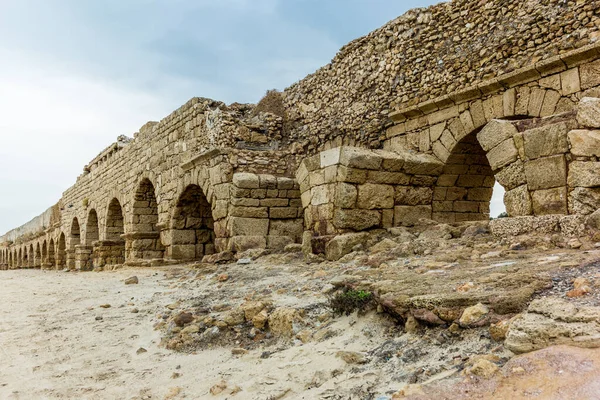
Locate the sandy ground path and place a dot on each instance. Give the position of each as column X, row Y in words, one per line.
column 52, row 346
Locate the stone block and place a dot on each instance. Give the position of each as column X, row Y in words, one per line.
column 321, row 194
column 546, row 141
column 341, row 245
column 584, row 174
column 590, row 74
column 345, row 195
column 503, row 154
column 494, row 133
column 409, row 215
column 584, row 200
column 283, row 212
column 549, row 201
column 479, row 194
column 249, row 226
column 274, row 202
column 267, row 181
column 509, row 101
column 512, row 175
column 243, row 243
column 536, row 100
column 466, row 206
column 316, row 178
column 183, row 236
column 435, row 132
column 330, row 157
column 413, row 196
column 278, row 243
column 375, row 196
column 570, row 81
column 550, row 102
column 546, row 173
column 588, row 112
column 390, row 178
column 585, row 143
column 356, row 219
column 523, row 95
column 518, row 201
column 351, row 175
column 292, row 228
column 284, row 183
column 250, row 212
column 354, row 157
column 246, row 180
column 183, row 251
column 440, row 151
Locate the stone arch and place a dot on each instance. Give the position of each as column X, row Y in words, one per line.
column 31, row 256
column 10, row 259
column 92, row 231
column 75, row 236
column 464, row 189
column 115, row 222
column 51, row 253
column 38, row 256
column 192, row 226
column 25, row 258
column 61, row 252
column 111, row 251
column 44, row 260
column 144, row 238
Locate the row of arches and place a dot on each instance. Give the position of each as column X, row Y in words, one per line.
column 189, row 235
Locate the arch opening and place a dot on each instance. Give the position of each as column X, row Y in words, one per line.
column 145, row 236
column 38, row 256
column 44, row 255
column 25, row 262
column 192, row 226
column 92, row 233
column 464, row 189
column 51, row 254
column 112, row 250
column 61, row 253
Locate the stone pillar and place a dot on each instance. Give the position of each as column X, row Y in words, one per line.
column 141, row 247
column 83, row 257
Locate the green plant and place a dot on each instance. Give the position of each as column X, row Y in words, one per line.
column 349, row 300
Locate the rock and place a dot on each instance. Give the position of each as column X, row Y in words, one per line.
column 251, row 308
column 581, row 287
column 465, row 287
column 238, row 351
column 293, row 248
column 352, row 357
column 304, row 336
column 190, row 329
column 222, row 277
column 593, row 221
column 553, row 321
column 574, row 243
column 585, row 143
column 492, row 254
column 411, row 325
column 283, row 320
column 99, row 318
column 132, row 280
column 141, row 350
column 341, row 245
column 483, row 368
column 234, row 317
column 244, row 261
column 135, row 311
column 383, row 246
column 218, row 388
column 427, row 316
column 499, row 330
column 105, row 306
column 588, row 112
column 183, row 318
column 473, row 315
column 219, row 258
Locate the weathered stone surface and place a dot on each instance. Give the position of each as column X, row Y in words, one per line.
column 518, row 201
column 356, row 219
column 284, row 321
column 549, row 201
column 503, row 154
column 545, row 141
column 413, row 196
column 584, row 200
column 546, row 173
column 375, row 196
column 249, row 226
column 552, row 321
column 341, row 245
column 584, row 174
column 588, row 112
column 512, row 175
column 494, row 133
column 585, row 143
column 409, row 215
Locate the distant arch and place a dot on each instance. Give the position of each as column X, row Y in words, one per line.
column 115, row 226
column 61, row 253
column 192, row 226
column 51, row 254
column 44, row 254
column 38, row 256
column 92, row 231
column 145, row 234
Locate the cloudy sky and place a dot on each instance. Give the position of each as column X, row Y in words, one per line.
column 75, row 74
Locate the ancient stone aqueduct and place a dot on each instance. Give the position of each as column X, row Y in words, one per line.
column 418, row 119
